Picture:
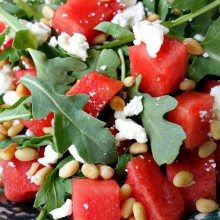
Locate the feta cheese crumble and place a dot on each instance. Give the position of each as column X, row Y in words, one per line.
column 128, row 3
column 150, row 33
column 75, row 45
column 73, row 151
column 130, row 16
column 129, row 130
column 205, row 55
column 50, row 156
column 6, row 77
column 215, row 92
column 10, row 98
column 64, row 211
column 199, row 37
column 29, row 133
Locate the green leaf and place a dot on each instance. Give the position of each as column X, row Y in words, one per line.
column 163, row 8
column 165, row 137
column 201, row 66
column 115, row 30
column 12, row 54
column 17, row 111
column 16, row 139
column 72, row 125
column 122, row 163
column 150, row 4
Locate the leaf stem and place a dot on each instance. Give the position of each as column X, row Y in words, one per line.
column 123, row 69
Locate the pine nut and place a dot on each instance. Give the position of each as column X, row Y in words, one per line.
column 21, row 90
column 8, row 152
column 183, row 179
column 139, row 211
column 125, row 192
column 138, row 148
column 117, row 103
column 127, row 208
column 132, row 218
column 46, row 21
column 48, row 130
column 15, row 129
column 177, row 11
column 28, row 61
column 193, row 47
column 206, row 205
column 33, row 169
column 153, row 17
column 99, row 39
column 207, row 148
column 3, row 130
column 48, row 12
column 2, row 63
column 90, row 171
column 7, row 124
column 129, row 81
column 2, row 137
column 106, row 172
column 69, row 169
column 187, row 85
column 26, row 154
column 41, row 175
column 215, row 129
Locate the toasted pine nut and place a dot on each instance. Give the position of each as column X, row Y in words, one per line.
column 33, row 169
column 139, row 211
column 215, row 129
column 28, row 61
column 41, row 175
column 207, row 148
column 183, row 179
column 193, row 46
column 125, row 192
column 106, row 172
column 2, row 63
column 131, row 218
column 2, row 137
column 100, row 39
column 177, row 11
column 129, row 81
column 26, row 154
column 187, row 85
column 127, row 208
column 3, row 130
column 206, row 205
column 69, row 169
column 138, row 148
column 21, row 90
column 90, row 171
column 153, row 17
column 46, row 21
column 15, row 129
column 48, row 130
column 117, row 103
column 8, row 152
column 48, row 12
column 7, row 124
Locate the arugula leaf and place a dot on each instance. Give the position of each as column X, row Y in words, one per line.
column 11, row 8
column 201, row 66
column 17, row 139
column 94, row 143
column 163, row 8
column 17, row 111
column 12, row 54
column 150, row 5
column 115, row 30
column 165, row 137
column 122, row 163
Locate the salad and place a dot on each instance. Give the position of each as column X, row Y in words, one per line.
column 110, row 109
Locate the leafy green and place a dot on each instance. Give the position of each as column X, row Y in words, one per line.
column 150, row 5
column 122, row 163
column 201, row 66
column 16, row 139
column 165, row 137
column 11, row 8
column 163, row 8
column 115, row 30
column 94, row 143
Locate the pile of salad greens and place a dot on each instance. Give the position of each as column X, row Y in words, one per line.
column 57, row 71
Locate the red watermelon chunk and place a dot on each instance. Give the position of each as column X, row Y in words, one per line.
column 17, row 74
column 17, row 187
column 193, row 113
column 2, row 26
column 204, row 173
column 37, row 125
column 99, row 87
column 163, row 74
column 82, row 16
column 209, row 84
column 95, row 199
column 162, row 201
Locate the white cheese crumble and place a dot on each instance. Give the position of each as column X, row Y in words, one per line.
column 1, row 169
column 215, row 92
column 73, row 151
column 48, row 2
column 205, row 55
column 199, row 37
column 39, row 29
column 64, row 211
column 203, row 114
column 130, row 16
column 11, row 164
column 6, row 77
column 86, row 206
column 29, row 133
column 50, row 156
column 103, row 67
column 128, row 3
column 10, row 97
column 75, row 45
column 129, row 130
column 150, row 33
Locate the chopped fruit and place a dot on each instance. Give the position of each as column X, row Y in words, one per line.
column 99, row 87
column 99, row 199
column 209, row 84
column 193, row 113
column 17, row 74
column 160, row 198
column 159, row 77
